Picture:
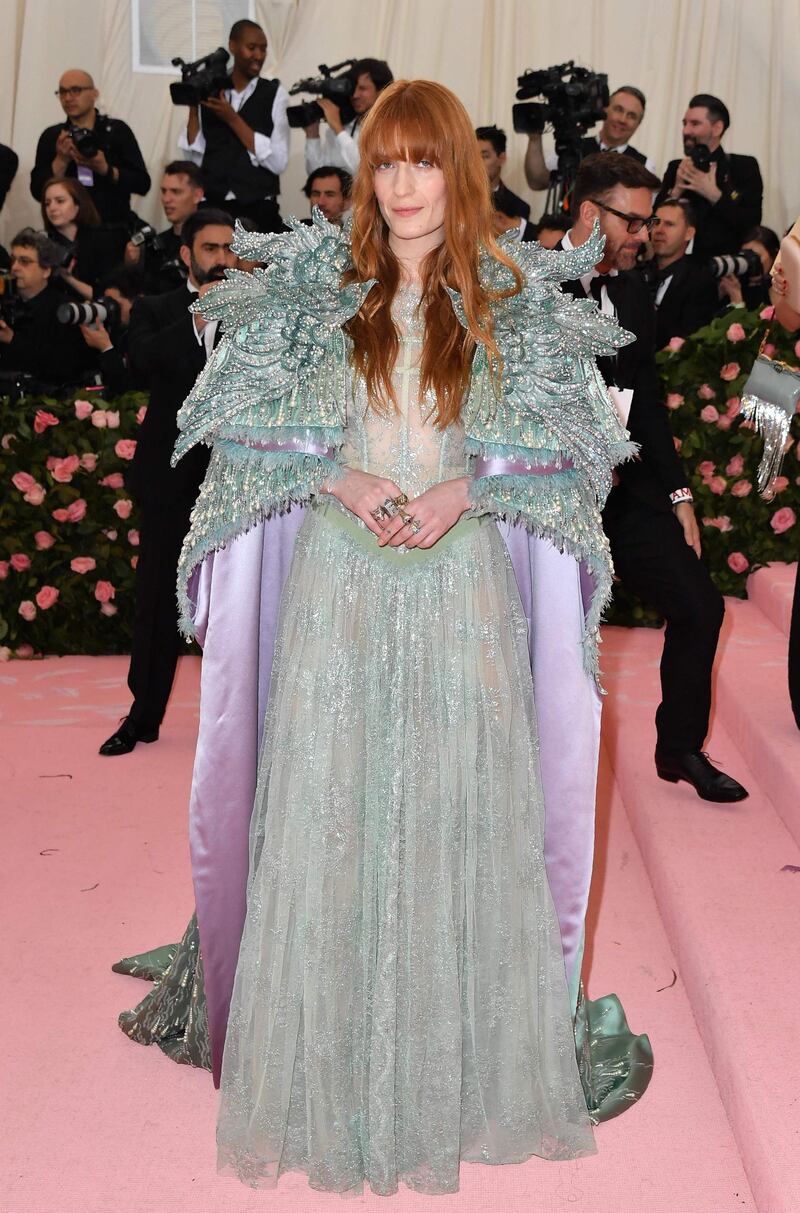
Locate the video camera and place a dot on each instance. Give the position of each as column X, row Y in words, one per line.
column 338, row 89
column 105, row 310
column 202, row 79
column 575, row 98
column 10, row 303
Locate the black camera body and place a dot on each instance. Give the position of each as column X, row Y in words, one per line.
column 85, row 140
column 338, row 89
column 10, row 302
column 744, row 264
column 700, row 157
column 106, row 310
column 575, row 98
column 146, row 238
column 202, row 79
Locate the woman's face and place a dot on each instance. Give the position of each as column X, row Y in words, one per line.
column 412, row 200
column 60, row 207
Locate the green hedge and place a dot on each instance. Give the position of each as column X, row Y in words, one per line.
column 68, row 529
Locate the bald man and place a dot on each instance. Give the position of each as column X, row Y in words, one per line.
column 101, row 152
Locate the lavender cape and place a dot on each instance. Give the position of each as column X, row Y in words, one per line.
column 235, row 595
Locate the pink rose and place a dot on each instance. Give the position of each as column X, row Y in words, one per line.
column 113, row 481
column 99, row 419
column 141, row 413
column 104, row 591
column 797, row 348
column 733, row 406
column 779, row 484
column 5, row 652
column 706, row 391
column 125, row 448
column 46, row 596
column 709, row 413
column 723, row 523
column 83, row 409
column 706, row 469
column 133, row 538
column 742, row 488
column 736, row 466
column 23, row 481
column 3, row 569
column 134, row 561
column 782, row 520
column 676, row 343
column 42, row 420
column 60, row 515
column 27, row 610
column 82, row 564
column 677, row 443
column 7, row 440
column 736, row 333
column 767, row 313
column 738, row 562
column 108, row 608
column 89, row 461
column 112, row 420
column 674, row 400
column 729, row 371
column 110, row 535
column 769, row 349
column 24, row 651
column 20, row 562
column 34, row 496
column 718, row 485
column 76, row 510
column 724, row 423
column 64, row 469
column 44, row 540
column 123, row 507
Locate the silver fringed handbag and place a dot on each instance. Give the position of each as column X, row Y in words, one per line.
column 769, row 399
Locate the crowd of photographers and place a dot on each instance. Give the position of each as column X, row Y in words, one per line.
column 68, row 284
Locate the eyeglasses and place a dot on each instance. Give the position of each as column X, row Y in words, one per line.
column 635, row 222
column 73, row 90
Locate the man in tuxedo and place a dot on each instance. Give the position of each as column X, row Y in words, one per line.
column 492, row 143
column 726, row 196
column 168, row 347
column 649, row 517
column 684, row 291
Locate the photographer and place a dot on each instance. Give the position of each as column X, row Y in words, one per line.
column 240, row 138
column 751, row 289
column 623, row 117
column 329, row 188
column 119, row 291
column 492, row 143
column 71, row 221
column 684, row 291
column 157, row 255
column 725, row 190
column 168, row 348
column 31, row 338
column 101, row 152
column 339, row 144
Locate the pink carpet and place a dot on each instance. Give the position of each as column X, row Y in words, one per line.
column 95, row 867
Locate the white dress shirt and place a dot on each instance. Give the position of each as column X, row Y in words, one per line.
column 339, row 151
column 269, row 151
column 206, row 335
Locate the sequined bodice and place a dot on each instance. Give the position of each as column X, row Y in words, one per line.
column 404, row 445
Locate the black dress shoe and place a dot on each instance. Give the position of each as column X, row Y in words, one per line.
column 125, row 738
column 694, row 766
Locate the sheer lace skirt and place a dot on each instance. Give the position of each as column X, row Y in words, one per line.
column 400, row 1001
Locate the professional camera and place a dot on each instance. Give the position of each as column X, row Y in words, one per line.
column 202, row 79
column 85, row 140
column 338, row 89
column 10, row 303
column 575, row 98
column 744, row 264
column 700, row 157
column 147, row 238
column 106, row 310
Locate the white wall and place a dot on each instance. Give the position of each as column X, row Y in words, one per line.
column 747, row 53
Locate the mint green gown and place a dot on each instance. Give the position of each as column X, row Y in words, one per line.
column 400, row 1002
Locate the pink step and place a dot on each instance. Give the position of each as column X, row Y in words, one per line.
column 752, row 701
column 725, row 883
column 772, row 589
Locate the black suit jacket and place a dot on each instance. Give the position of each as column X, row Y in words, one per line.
column 658, row 471
column 509, row 203
column 721, row 228
column 9, row 163
column 690, row 301
column 54, row 353
column 166, row 358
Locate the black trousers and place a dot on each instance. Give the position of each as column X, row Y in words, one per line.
column 794, row 651
column 653, row 560
column 265, row 212
column 156, row 640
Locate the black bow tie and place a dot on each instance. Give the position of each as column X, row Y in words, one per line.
column 611, row 282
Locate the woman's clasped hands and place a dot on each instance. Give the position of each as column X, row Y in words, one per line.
column 383, row 508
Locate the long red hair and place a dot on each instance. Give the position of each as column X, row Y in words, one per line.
column 417, row 120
